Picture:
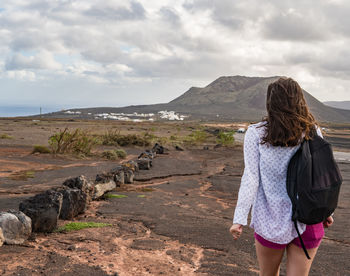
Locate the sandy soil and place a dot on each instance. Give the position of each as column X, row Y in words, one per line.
column 174, row 220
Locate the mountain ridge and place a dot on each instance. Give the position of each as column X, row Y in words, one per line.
column 228, row 98
column 339, row 104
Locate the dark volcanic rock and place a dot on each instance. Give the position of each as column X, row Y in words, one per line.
column 119, row 178
column 129, row 176
column 150, row 160
column 118, row 174
column 16, row 227
column 144, row 164
column 74, row 202
column 104, row 177
column 178, row 148
column 124, row 173
column 43, row 209
column 158, row 149
column 131, row 164
column 146, row 154
column 82, row 184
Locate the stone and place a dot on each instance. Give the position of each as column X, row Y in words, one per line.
column 44, row 210
column 144, row 164
column 150, row 161
column 71, row 247
column 81, row 183
column 119, row 178
column 102, row 188
column 129, row 176
column 131, row 164
column 117, row 169
column 214, row 131
column 104, row 177
column 178, row 148
column 151, row 154
column 2, row 238
column 158, row 149
column 146, row 154
column 15, row 227
column 74, row 202
column 117, row 174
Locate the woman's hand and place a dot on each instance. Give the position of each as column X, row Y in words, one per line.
column 236, row 230
column 328, row 222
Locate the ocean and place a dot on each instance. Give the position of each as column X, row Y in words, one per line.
column 15, row 111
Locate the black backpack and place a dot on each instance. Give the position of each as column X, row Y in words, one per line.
column 313, row 183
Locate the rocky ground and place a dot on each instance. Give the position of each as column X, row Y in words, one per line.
column 174, row 219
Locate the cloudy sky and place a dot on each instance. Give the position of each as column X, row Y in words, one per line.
column 76, row 53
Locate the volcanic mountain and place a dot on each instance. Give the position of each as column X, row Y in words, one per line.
column 235, row 98
column 339, row 104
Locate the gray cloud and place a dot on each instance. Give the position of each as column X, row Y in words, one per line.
column 294, row 26
column 170, row 16
column 339, row 19
column 226, row 12
column 301, row 57
column 118, row 43
column 104, row 12
column 337, row 64
column 42, row 60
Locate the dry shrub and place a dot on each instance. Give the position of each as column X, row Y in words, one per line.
column 22, row 175
column 196, row 137
column 5, row 136
column 114, row 138
column 76, row 142
column 40, row 149
column 114, row 154
column 225, row 138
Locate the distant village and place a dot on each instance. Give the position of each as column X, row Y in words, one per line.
column 135, row 117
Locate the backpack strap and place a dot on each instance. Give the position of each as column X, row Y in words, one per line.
column 301, row 240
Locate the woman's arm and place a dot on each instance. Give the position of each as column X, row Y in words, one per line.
column 251, row 177
column 328, row 222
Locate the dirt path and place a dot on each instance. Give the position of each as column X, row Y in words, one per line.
column 342, row 156
column 174, row 221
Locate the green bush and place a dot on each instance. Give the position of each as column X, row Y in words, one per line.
column 225, row 138
column 150, row 137
column 114, row 154
column 196, row 137
column 110, row 137
column 22, row 175
column 121, row 153
column 40, row 149
column 77, row 142
column 110, row 155
column 114, row 138
column 5, row 136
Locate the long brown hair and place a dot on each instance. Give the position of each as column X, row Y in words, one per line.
column 288, row 115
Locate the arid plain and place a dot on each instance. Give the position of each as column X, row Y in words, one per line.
column 172, row 220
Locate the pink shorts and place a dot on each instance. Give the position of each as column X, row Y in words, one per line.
column 312, row 238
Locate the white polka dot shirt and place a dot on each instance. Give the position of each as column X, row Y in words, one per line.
column 263, row 187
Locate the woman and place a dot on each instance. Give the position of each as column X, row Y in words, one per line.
column 268, row 148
